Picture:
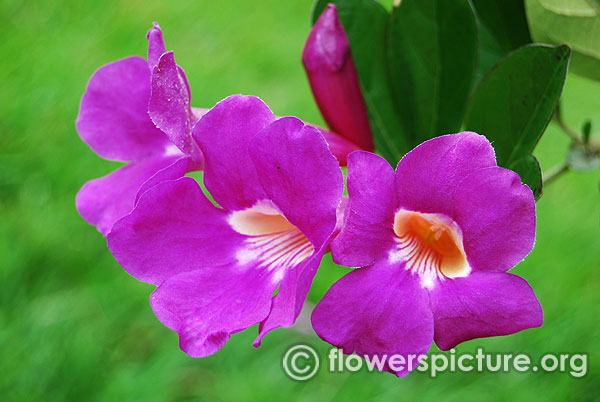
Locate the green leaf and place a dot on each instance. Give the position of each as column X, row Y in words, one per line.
column 574, row 23
column 502, row 28
column 576, row 8
column 365, row 23
column 585, row 66
column 514, row 102
column 505, row 20
column 586, row 130
column 595, row 4
column 432, row 49
column 530, row 171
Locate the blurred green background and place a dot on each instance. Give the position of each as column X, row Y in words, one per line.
column 75, row 326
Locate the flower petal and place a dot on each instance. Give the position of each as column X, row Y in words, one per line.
column 368, row 230
column 375, row 311
column 113, row 116
column 300, row 175
column 205, row 306
column 497, row 216
column 174, row 171
column 334, row 81
column 102, row 202
column 339, row 146
column 174, row 228
column 340, row 215
column 481, row 305
column 229, row 173
column 156, row 45
column 290, row 298
column 199, row 112
column 427, row 176
column 169, row 105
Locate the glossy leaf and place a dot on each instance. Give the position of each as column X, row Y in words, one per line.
column 579, row 27
column 531, row 173
column 514, row 102
column 365, row 23
column 432, row 49
column 502, row 28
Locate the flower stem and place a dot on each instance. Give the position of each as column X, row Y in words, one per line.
column 555, row 173
column 575, row 137
column 572, row 134
column 576, row 141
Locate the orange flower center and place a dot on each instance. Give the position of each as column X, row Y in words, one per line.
column 431, row 245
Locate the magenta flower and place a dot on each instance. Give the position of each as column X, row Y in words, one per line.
column 334, row 82
column 136, row 111
column 278, row 187
column 139, row 112
column 435, row 240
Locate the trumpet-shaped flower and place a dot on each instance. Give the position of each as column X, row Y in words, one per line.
column 434, row 241
column 136, row 111
column 139, row 112
column 334, row 82
column 277, row 186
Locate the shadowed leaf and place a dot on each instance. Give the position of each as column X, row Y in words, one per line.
column 502, row 28
column 432, row 49
column 531, row 173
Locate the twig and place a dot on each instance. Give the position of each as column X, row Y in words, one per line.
column 555, row 173
column 577, row 141
column 575, row 137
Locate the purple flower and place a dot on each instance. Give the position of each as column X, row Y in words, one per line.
column 435, row 240
column 278, row 187
column 136, row 111
column 334, row 82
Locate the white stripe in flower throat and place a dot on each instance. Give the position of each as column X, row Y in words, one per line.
column 431, row 245
column 272, row 240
